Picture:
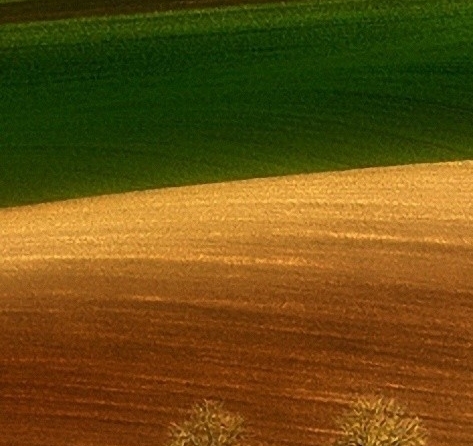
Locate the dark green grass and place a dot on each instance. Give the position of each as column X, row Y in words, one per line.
column 108, row 105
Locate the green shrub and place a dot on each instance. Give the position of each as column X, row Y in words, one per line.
column 209, row 425
column 377, row 421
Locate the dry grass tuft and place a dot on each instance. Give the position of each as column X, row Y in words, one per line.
column 208, row 425
column 377, row 421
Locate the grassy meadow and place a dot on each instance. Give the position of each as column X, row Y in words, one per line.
column 102, row 105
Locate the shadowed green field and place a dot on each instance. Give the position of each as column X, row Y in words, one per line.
column 104, row 105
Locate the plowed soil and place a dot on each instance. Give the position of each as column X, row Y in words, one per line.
column 36, row 10
column 283, row 297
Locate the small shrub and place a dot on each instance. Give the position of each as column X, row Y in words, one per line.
column 208, row 425
column 377, row 421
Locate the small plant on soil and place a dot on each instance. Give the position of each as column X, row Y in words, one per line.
column 377, row 421
column 209, row 425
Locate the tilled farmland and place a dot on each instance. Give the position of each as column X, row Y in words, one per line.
column 37, row 10
column 285, row 298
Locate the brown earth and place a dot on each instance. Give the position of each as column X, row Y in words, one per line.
column 36, row 10
column 283, row 297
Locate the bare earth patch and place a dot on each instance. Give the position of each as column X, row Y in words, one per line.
column 284, row 297
column 16, row 11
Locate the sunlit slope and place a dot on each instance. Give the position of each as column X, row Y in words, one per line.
column 95, row 106
column 118, row 312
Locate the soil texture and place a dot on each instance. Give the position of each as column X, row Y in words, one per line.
column 284, row 297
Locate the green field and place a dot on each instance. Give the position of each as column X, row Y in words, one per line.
column 104, row 105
